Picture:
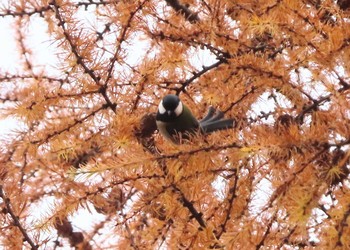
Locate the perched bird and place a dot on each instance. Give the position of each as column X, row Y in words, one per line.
column 175, row 121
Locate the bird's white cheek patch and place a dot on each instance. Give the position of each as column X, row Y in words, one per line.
column 179, row 109
column 161, row 108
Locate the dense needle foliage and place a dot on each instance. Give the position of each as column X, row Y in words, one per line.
column 85, row 138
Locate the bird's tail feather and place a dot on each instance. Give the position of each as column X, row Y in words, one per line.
column 209, row 115
column 212, row 116
column 214, row 125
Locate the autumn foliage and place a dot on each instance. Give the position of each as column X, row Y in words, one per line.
column 85, row 139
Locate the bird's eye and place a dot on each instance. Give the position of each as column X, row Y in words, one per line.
column 179, row 109
column 161, row 108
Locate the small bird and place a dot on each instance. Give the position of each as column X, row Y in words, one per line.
column 175, row 120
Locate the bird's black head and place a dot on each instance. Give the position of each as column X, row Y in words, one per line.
column 169, row 108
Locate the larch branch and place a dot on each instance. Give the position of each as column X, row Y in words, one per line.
column 15, row 219
column 75, row 123
column 80, row 59
column 232, row 192
column 266, row 233
column 340, row 227
column 198, row 74
column 188, row 204
column 184, row 10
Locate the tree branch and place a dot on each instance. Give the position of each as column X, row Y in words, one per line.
column 76, row 122
column 312, row 107
column 40, row 11
column 15, row 219
column 230, row 205
column 341, row 225
column 80, row 60
column 184, row 10
column 198, row 74
column 121, row 39
column 186, row 203
column 266, row 233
